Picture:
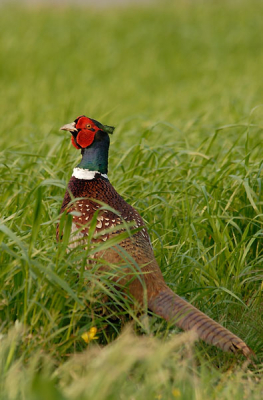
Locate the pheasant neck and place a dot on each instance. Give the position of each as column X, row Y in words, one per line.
column 95, row 157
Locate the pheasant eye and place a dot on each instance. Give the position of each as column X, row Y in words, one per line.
column 88, row 126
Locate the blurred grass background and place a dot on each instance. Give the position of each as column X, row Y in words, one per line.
column 196, row 61
column 183, row 84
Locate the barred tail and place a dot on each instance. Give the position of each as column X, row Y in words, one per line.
column 172, row 307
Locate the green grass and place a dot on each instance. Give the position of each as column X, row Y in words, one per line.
column 183, row 86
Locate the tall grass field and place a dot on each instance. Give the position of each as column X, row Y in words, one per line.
column 182, row 82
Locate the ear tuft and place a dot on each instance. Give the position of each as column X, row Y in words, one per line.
column 109, row 129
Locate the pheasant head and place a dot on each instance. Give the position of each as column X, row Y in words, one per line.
column 92, row 138
column 85, row 130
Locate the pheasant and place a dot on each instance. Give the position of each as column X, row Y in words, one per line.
column 91, row 187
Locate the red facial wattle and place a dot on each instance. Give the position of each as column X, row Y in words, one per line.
column 85, row 137
column 74, row 143
column 87, row 131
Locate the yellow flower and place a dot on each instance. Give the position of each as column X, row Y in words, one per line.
column 176, row 393
column 90, row 335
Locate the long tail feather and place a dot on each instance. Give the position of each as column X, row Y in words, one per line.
column 173, row 308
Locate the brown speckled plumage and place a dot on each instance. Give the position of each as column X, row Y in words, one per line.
column 138, row 246
column 160, row 299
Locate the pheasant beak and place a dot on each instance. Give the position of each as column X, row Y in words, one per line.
column 69, row 127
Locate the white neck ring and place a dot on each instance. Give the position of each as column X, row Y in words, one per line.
column 81, row 173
